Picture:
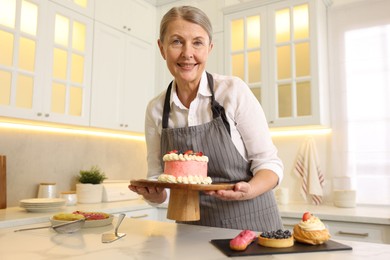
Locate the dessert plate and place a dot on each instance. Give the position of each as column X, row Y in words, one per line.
column 42, row 204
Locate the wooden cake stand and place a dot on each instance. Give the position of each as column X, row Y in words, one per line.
column 184, row 198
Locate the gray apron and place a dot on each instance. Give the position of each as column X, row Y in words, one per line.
column 225, row 165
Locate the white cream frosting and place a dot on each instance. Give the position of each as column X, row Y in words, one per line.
column 184, row 157
column 184, row 179
column 312, row 224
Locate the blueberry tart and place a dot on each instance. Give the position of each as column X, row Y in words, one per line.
column 278, row 239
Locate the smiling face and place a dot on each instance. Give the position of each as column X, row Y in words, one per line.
column 185, row 48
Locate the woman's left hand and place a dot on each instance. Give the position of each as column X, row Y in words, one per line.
column 263, row 181
column 241, row 191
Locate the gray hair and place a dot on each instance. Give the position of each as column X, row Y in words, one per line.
column 188, row 13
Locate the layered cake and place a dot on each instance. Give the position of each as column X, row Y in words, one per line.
column 311, row 230
column 277, row 239
column 189, row 168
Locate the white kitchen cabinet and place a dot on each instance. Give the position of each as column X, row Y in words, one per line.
column 45, row 73
column 136, row 17
column 69, row 64
column 373, row 233
column 149, row 214
column 162, row 214
column 123, row 77
column 84, row 7
column 215, row 62
column 21, row 53
column 279, row 49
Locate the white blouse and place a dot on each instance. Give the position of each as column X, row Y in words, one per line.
column 248, row 125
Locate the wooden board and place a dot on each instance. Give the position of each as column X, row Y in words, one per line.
column 199, row 187
column 256, row 249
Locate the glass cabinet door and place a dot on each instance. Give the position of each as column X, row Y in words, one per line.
column 292, row 49
column 68, row 91
column 279, row 49
column 45, row 62
column 18, row 47
column 246, row 50
column 85, row 7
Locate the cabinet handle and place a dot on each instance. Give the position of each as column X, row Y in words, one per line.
column 353, row 234
column 124, row 27
column 39, row 114
column 288, row 225
column 47, row 115
column 140, row 216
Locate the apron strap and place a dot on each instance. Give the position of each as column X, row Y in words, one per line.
column 216, row 108
column 167, row 107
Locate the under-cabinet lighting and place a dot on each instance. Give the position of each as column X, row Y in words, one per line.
column 75, row 131
column 300, row 132
column 139, row 137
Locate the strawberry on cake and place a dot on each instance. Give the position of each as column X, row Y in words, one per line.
column 189, row 168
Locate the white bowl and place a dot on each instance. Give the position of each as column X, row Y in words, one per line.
column 345, row 203
column 88, row 223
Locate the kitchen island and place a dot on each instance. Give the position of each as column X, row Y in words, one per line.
column 147, row 239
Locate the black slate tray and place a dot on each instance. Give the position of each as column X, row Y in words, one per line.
column 256, row 249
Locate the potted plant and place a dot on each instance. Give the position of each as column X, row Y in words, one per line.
column 89, row 188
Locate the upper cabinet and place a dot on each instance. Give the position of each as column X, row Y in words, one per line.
column 123, row 64
column 136, row 17
column 70, row 63
column 280, row 51
column 123, row 80
column 45, row 62
column 84, row 7
column 19, row 48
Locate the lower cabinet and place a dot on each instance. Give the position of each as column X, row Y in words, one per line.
column 162, row 215
column 364, row 232
column 150, row 214
column 158, row 214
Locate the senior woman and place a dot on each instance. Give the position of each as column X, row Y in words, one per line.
column 219, row 116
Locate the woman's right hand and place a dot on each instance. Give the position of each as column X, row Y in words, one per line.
column 151, row 194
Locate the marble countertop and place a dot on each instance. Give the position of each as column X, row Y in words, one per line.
column 16, row 216
column 146, row 240
column 360, row 214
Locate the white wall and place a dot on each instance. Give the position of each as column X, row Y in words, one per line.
column 288, row 147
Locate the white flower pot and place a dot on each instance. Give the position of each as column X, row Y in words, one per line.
column 89, row 193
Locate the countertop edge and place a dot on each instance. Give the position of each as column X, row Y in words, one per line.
column 360, row 214
column 16, row 216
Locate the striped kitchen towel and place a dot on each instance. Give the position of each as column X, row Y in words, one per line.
column 307, row 168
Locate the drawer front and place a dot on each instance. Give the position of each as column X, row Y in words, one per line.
column 150, row 214
column 162, row 215
column 357, row 231
column 350, row 231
